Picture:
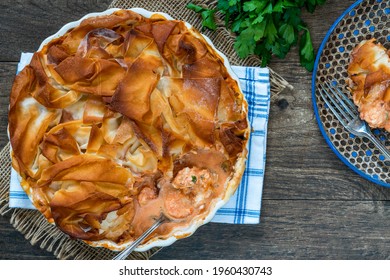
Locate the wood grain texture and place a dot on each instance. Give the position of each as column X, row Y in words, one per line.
column 295, row 229
column 14, row 246
column 314, row 206
column 25, row 24
column 7, row 75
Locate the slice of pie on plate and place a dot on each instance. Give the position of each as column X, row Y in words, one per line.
column 369, row 73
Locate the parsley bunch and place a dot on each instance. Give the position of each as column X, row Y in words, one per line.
column 265, row 27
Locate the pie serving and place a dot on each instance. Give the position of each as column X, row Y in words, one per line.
column 124, row 116
column 369, row 72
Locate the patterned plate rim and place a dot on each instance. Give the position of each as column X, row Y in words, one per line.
column 318, row 118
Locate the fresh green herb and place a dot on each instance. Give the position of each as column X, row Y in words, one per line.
column 265, row 27
column 194, row 179
column 207, row 16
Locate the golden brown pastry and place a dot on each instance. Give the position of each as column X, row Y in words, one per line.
column 122, row 118
column 369, row 70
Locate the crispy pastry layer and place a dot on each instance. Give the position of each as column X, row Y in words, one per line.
column 124, row 117
column 369, row 70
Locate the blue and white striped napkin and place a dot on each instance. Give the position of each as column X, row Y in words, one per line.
column 245, row 205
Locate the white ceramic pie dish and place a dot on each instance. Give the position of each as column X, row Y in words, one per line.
column 232, row 184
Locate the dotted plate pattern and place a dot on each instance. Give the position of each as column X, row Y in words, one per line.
column 362, row 21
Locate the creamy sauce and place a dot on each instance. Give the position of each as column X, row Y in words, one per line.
column 182, row 204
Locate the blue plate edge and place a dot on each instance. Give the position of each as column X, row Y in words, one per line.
column 313, row 89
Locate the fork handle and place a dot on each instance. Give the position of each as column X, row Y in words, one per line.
column 123, row 255
column 379, row 145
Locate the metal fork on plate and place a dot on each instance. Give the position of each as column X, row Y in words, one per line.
column 347, row 114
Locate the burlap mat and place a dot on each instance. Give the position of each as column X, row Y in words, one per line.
column 33, row 225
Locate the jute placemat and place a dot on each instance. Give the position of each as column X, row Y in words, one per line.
column 33, row 225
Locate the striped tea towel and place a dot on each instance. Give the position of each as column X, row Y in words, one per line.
column 245, row 205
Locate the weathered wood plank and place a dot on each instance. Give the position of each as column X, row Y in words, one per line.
column 295, row 229
column 7, row 75
column 24, row 25
column 289, row 229
column 14, row 246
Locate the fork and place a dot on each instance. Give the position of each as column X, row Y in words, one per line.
column 347, row 114
column 123, row 255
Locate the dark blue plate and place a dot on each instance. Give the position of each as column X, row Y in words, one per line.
column 361, row 21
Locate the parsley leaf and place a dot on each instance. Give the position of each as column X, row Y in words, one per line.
column 195, row 8
column 287, row 32
column 306, row 51
column 245, row 43
column 208, row 20
column 270, row 33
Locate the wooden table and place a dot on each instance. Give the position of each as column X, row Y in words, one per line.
column 314, row 207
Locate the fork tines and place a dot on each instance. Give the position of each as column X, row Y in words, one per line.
column 343, row 108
